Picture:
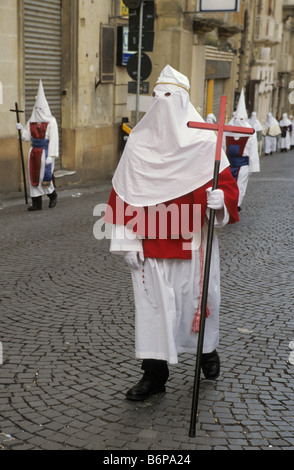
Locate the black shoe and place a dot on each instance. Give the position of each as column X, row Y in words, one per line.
column 144, row 389
column 210, row 365
column 239, row 209
column 36, row 204
column 53, row 199
column 34, row 208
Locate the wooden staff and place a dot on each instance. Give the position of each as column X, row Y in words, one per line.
column 17, row 111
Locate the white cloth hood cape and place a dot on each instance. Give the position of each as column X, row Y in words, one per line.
column 271, row 126
column 254, row 122
column 163, row 158
column 270, row 121
column 285, row 121
column 41, row 111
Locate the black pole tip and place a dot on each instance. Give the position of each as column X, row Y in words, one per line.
column 192, row 433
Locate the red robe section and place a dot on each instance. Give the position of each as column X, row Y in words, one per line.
column 38, row 131
column 171, row 246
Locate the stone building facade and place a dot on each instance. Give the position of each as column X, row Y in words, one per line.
column 75, row 47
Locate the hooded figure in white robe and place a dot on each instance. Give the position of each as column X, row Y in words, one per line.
column 167, row 165
column 271, row 131
column 42, row 130
column 257, row 126
column 242, row 151
column 286, row 129
column 254, row 122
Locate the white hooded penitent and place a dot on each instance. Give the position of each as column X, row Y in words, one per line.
column 162, row 155
column 254, row 122
column 251, row 149
column 41, row 111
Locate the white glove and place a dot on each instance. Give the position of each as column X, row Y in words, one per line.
column 49, row 160
column 19, row 126
column 215, row 199
column 133, row 258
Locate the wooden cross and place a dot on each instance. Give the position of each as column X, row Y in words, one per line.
column 220, row 128
column 17, row 111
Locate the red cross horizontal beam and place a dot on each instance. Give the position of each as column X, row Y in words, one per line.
column 226, row 128
column 221, row 127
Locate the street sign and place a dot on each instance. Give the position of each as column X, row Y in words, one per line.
column 124, row 11
column 132, row 3
column 147, row 27
column 144, row 88
column 146, row 66
column 122, row 50
column 147, row 41
column 148, row 17
column 139, row 65
column 216, row 5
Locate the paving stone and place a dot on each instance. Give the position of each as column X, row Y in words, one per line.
column 67, row 331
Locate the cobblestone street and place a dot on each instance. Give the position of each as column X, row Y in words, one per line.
column 67, row 332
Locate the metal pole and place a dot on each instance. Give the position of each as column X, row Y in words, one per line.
column 139, row 62
column 192, row 431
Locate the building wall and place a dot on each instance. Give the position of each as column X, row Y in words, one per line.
column 9, row 77
column 90, row 132
column 92, row 111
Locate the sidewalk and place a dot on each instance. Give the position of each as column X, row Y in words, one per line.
column 74, row 190
column 67, row 332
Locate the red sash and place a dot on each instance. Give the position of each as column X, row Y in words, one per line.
column 38, row 131
column 118, row 212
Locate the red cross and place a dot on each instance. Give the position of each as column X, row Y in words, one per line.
column 221, row 128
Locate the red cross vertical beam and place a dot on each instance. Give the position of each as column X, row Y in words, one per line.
column 220, row 128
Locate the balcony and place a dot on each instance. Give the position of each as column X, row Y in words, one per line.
column 267, row 31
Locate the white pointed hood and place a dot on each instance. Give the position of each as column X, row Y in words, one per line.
column 240, row 117
column 163, row 158
column 41, row 111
